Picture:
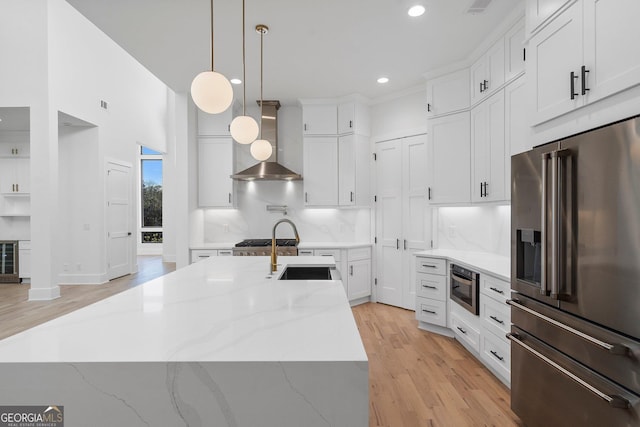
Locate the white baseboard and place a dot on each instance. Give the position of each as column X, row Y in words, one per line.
column 82, row 279
column 44, row 294
column 169, row 258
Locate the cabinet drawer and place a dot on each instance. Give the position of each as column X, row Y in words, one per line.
column 431, row 286
column 496, row 316
column 335, row 253
column 225, row 252
column 465, row 332
column 200, row 254
column 431, row 265
column 359, row 254
column 431, row 311
column 495, row 288
column 305, row 252
column 496, row 353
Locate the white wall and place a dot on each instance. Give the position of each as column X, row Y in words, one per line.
column 474, row 228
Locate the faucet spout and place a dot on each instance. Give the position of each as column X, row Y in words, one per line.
column 274, row 256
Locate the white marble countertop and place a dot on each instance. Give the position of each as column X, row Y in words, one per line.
column 496, row 265
column 331, row 245
column 219, row 309
column 223, row 245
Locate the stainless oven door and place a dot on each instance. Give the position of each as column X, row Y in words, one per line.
column 464, row 291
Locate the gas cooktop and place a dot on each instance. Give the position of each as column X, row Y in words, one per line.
column 265, row 242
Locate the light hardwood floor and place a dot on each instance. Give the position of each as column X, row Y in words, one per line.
column 416, row 378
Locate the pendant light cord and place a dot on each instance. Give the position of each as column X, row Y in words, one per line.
column 212, row 35
column 261, row 60
column 244, row 68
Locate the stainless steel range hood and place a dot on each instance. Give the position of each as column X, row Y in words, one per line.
column 269, row 170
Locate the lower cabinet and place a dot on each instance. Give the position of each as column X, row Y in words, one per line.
column 354, row 265
column 431, row 290
column 24, row 261
column 202, row 254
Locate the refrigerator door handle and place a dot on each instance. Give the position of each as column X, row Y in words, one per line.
column 617, row 349
column 543, row 228
column 614, row 401
column 555, row 256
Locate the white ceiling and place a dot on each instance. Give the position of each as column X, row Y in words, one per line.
column 315, row 48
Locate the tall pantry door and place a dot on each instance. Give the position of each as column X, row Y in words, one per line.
column 402, row 217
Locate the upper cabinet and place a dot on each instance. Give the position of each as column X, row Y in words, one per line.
column 215, row 124
column 320, row 171
column 487, row 73
column 584, row 54
column 449, row 159
column 538, row 11
column 448, row 93
column 319, row 119
column 14, row 150
column 215, row 166
column 353, row 117
column 514, row 51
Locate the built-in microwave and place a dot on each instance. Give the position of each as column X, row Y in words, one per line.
column 464, row 288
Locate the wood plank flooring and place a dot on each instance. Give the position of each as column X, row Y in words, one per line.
column 416, row 378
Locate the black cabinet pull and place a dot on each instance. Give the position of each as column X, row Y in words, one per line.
column 428, row 107
column 485, row 189
column 584, row 72
column 351, row 196
column 430, row 287
column 461, row 330
column 306, row 197
column 497, row 320
column 497, row 290
column 481, row 185
column 397, row 244
column 429, row 193
column 305, row 126
column 500, row 358
column 481, row 87
column 350, row 124
column 573, row 84
column 405, row 244
column 524, row 54
column 429, row 311
column 486, row 85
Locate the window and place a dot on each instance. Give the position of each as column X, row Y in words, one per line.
column 151, row 197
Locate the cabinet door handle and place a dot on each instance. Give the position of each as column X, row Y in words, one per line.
column 524, row 54
column 229, row 197
column 13, row 187
column 351, row 196
column 486, row 193
column 351, row 270
column 429, row 193
column 350, row 124
column 405, row 244
column 500, row 291
column 17, row 188
column 428, row 107
column 306, row 197
column 584, row 72
column 486, row 85
column 572, row 79
column 429, row 286
column 461, row 330
column 428, row 265
column 481, row 87
column 429, row 311
column 497, row 320
column 398, row 244
column 481, row 186
column 496, row 355
column 305, row 126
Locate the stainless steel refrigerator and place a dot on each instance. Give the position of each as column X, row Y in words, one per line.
column 575, row 277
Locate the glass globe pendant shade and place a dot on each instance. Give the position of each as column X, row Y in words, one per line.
column 244, row 129
column 211, row 92
column 261, row 150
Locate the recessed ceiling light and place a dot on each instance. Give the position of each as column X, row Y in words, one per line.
column 236, row 81
column 416, row 10
column 383, row 80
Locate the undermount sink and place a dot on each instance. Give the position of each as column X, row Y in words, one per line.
column 309, row 273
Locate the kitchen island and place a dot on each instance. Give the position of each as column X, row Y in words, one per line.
column 221, row 342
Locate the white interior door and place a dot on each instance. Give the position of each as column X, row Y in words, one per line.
column 389, row 223
column 118, row 220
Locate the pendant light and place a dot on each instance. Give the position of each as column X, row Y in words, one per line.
column 261, row 149
column 210, row 90
column 244, row 129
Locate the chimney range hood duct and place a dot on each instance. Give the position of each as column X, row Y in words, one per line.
column 269, row 170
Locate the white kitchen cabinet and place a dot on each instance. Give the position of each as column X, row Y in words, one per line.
column 14, row 176
column 466, row 328
column 576, row 59
column 24, row 260
column 515, row 118
column 215, row 124
column 402, row 217
column 514, row 50
column 215, row 166
column 487, row 73
column 431, row 290
column 448, row 93
column 358, row 273
column 353, row 117
column 320, row 161
column 319, row 119
column 12, row 150
column 495, row 320
column 449, row 159
column 353, row 170
column 487, row 150
column 539, row 11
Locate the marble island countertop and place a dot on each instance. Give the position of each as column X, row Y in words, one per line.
column 221, row 309
column 220, row 342
column 301, row 245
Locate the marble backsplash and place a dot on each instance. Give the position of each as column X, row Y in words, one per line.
column 252, row 220
column 474, row 228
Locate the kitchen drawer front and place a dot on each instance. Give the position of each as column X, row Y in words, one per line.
column 201, row 254
column 431, row 265
column 465, row 332
column 358, row 254
column 225, row 252
column 496, row 316
column 496, row 352
column 495, row 288
column 431, row 286
column 305, row 252
column 431, row 311
column 335, row 253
